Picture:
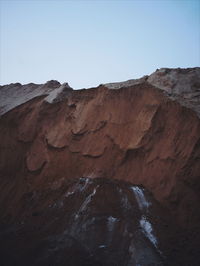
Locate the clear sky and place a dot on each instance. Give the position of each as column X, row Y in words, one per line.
column 86, row 43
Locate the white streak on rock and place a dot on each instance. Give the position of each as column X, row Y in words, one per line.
column 124, row 199
column 111, row 223
column 58, row 94
column 86, row 202
column 148, row 230
column 102, row 246
column 78, row 187
column 69, row 193
column 140, row 197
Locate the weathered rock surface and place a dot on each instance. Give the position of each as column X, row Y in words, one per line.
column 182, row 85
column 92, row 222
column 13, row 95
column 133, row 132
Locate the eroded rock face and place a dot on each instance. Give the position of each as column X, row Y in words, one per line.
column 13, row 95
column 133, row 132
column 176, row 81
column 182, row 85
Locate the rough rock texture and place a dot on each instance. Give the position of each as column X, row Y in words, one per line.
column 92, row 222
column 135, row 134
column 130, row 82
column 15, row 94
column 182, row 85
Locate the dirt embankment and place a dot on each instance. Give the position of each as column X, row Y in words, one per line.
column 135, row 134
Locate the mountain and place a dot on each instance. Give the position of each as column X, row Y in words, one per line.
column 101, row 176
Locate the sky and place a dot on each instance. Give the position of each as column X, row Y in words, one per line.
column 86, row 43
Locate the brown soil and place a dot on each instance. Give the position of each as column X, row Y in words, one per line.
column 134, row 134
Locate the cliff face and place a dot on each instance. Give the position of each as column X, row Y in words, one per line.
column 144, row 132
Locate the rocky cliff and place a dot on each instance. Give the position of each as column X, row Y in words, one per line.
column 101, row 176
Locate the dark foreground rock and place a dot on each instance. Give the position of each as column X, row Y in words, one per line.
column 92, row 222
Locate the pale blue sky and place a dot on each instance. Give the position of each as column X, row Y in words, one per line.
column 86, row 43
